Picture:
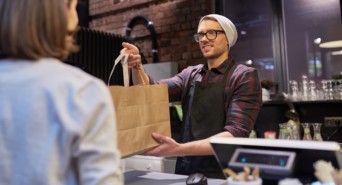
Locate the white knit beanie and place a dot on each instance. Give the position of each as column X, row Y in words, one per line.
column 227, row 26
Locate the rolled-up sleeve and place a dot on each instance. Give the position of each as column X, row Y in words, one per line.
column 243, row 101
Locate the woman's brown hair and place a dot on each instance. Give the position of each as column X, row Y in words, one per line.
column 33, row 29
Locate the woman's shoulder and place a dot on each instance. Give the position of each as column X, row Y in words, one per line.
column 57, row 68
column 61, row 74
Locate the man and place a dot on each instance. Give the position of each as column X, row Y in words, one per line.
column 219, row 99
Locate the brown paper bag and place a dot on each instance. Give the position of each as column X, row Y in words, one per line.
column 140, row 110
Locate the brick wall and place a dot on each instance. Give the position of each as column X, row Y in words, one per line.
column 175, row 22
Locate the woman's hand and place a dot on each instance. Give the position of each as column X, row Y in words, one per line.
column 134, row 58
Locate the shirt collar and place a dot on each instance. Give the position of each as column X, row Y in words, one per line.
column 219, row 69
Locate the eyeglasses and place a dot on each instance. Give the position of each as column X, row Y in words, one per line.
column 211, row 35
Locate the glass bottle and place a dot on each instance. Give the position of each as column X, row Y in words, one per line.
column 312, row 95
column 339, row 89
column 307, row 133
column 294, row 94
column 325, row 93
column 317, row 131
column 305, row 87
column 330, row 90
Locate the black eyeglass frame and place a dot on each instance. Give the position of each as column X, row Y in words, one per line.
column 200, row 35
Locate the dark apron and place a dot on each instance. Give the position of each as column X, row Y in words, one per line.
column 204, row 118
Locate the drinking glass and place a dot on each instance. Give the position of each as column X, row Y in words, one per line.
column 284, row 131
column 307, row 133
column 317, row 131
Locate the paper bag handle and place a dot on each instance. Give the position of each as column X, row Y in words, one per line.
column 123, row 57
column 143, row 80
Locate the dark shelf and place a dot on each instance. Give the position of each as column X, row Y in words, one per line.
column 273, row 112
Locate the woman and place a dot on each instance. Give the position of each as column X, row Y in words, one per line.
column 57, row 123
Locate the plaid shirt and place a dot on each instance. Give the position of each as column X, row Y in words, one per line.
column 242, row 93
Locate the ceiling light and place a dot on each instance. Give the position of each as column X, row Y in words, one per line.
column 331, row 44
column 317, row 41
column 249, row 62
column 336, row 53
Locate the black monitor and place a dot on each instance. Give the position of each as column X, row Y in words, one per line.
column 276, row 159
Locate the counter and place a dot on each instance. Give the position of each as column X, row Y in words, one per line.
column 136, row 177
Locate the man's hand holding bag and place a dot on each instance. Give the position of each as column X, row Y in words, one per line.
column 140, row 110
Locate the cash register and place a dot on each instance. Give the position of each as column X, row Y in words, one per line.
column 276, row 159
